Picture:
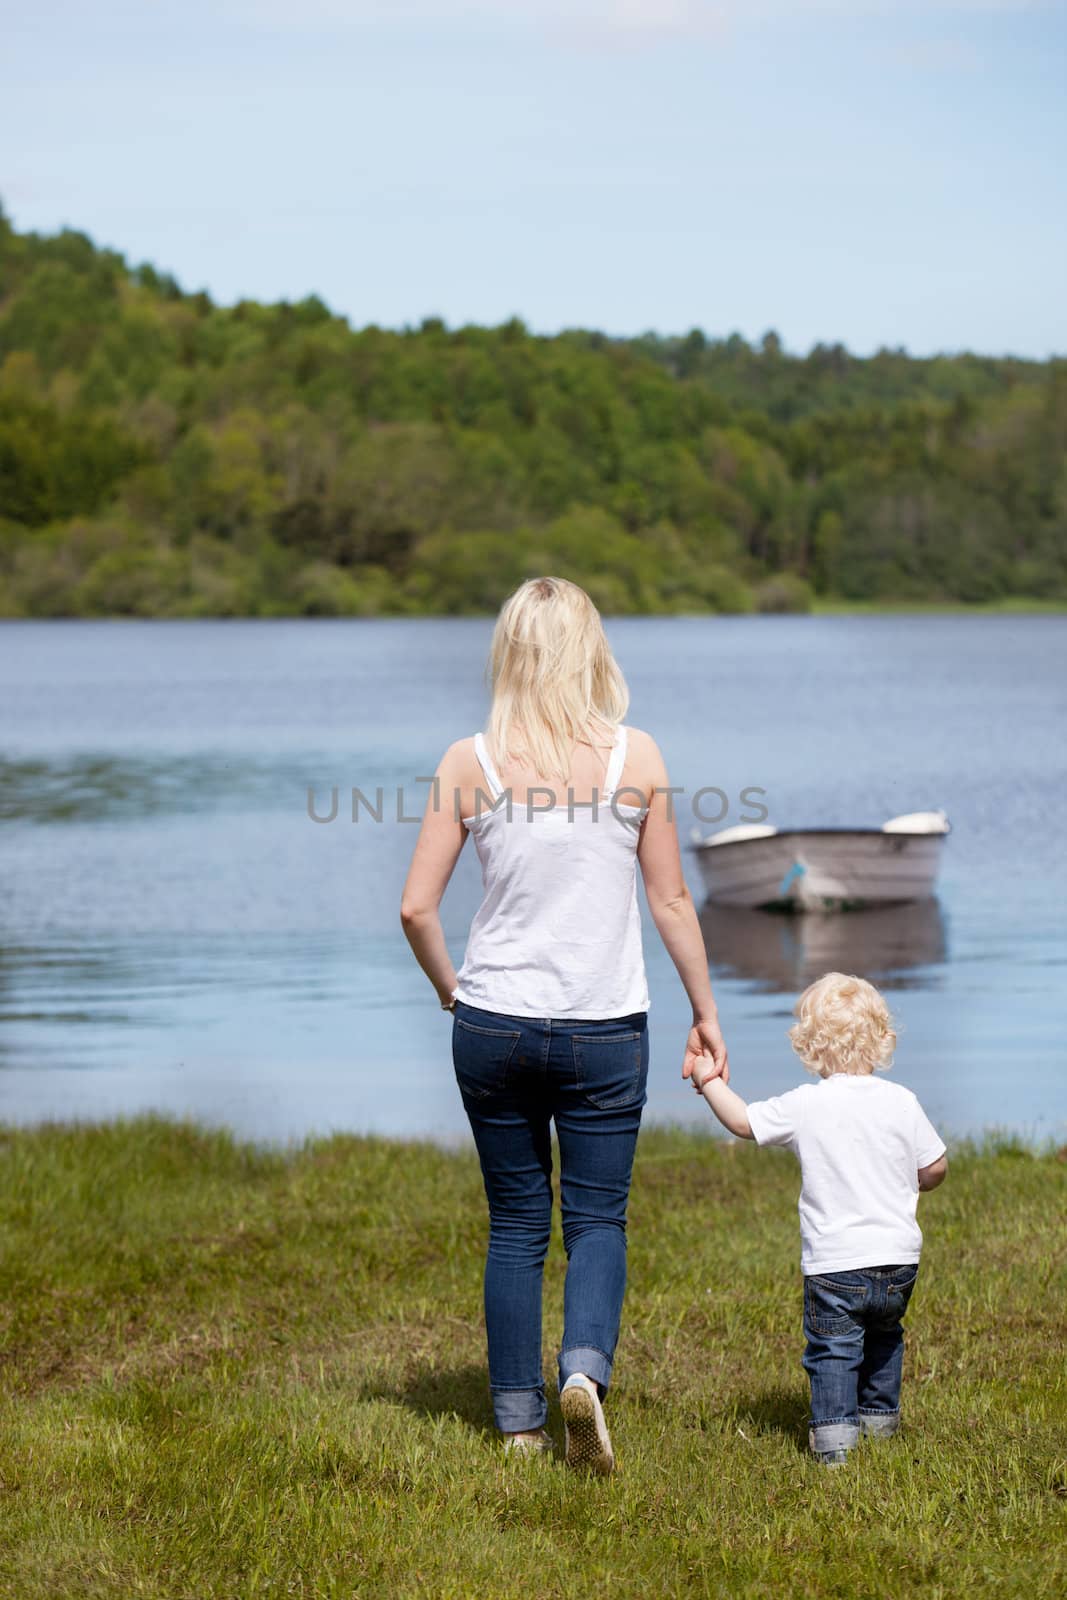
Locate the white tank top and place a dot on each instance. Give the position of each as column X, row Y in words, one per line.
column 558, row 932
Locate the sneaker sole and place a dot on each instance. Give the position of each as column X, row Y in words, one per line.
column 585, row 1448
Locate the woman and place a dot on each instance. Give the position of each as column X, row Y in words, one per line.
column 550, row 1004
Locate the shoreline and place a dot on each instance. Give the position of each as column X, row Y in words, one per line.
column 819, row 608
column 992, row 1143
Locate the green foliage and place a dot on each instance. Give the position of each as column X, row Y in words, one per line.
column 161, row 455
column 784, row 593
column 54, row 465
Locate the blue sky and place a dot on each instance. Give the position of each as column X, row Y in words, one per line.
column 870, row 171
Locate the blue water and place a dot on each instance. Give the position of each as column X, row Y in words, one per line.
column 178, row 934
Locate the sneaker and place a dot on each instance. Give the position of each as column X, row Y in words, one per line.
column 827, row 1458
column 528, row 1444
column 588, row 1440
column 879, row 1424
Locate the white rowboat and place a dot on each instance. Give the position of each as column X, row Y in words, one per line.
column 823, row 869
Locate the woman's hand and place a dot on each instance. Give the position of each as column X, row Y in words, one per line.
column 705, row 1053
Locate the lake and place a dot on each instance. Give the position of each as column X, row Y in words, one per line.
column 179, row 934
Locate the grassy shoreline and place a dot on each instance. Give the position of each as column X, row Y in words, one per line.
column 1016, row 607
column 819, row 608
column 234, row 1371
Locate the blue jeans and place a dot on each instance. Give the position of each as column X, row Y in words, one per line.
column 517, row 1075
column 855, row 1352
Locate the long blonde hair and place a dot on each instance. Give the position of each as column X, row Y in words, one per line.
column 553, row 677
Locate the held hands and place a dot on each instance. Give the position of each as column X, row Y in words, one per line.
column 700, row 1076
column 705, row 1054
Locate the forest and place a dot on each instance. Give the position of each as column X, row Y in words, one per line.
column 162, row 455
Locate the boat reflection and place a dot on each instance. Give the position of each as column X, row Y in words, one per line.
column 886, row 944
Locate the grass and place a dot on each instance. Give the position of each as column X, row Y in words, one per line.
column 230, row 1371
column 1009, row 605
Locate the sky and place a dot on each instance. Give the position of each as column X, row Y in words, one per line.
column 874, row 172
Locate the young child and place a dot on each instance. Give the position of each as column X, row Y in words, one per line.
column 866, row 1149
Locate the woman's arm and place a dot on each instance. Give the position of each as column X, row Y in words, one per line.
column 673, row 910
column 437, row 849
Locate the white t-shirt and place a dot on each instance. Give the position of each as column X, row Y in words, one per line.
column 860, row 1142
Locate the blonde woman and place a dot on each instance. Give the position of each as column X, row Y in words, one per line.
column 550, row 1004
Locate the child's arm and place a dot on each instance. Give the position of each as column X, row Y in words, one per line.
column 729, row 1107
column 927, row 1138
column 931, row 1176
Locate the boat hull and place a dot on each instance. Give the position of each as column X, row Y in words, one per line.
column 822, row 869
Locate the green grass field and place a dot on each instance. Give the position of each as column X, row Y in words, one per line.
column 235, row 1372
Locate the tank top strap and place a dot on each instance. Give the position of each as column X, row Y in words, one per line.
column 617, row 761
column 481, row 750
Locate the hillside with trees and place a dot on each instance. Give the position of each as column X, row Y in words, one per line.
column 161, row 455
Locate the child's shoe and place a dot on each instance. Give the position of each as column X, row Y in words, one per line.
column 830, row 1442
column 879, row 1424
column 528, row 1444
column 588, row 1440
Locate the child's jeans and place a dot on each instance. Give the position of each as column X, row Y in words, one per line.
column 855, row 1352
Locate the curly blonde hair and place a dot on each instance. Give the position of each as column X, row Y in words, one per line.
column 843, row 1025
